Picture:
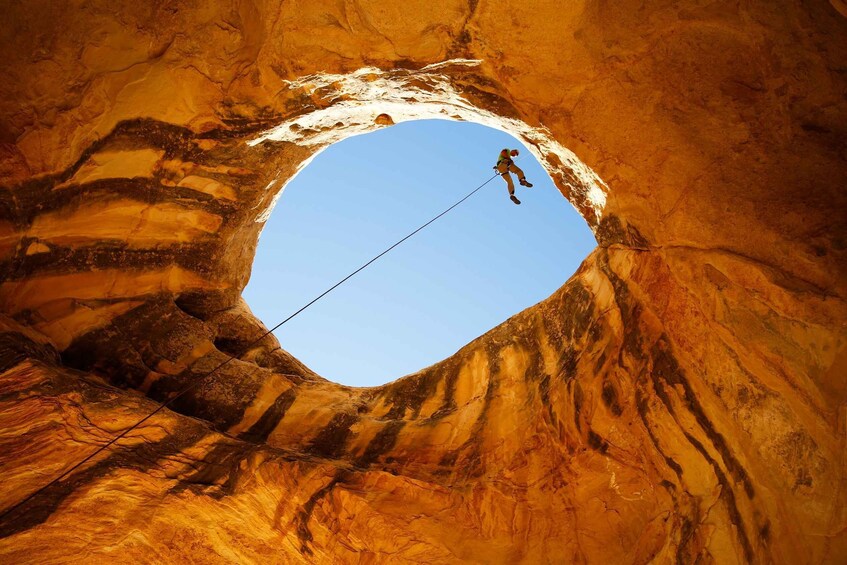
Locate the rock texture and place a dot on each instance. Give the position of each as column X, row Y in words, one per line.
column 681, row 399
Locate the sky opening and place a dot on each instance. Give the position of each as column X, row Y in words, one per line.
column 483, row 262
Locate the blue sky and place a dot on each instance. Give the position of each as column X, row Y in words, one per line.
column 483, row 262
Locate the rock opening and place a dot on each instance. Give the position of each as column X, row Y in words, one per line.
column 485, row 262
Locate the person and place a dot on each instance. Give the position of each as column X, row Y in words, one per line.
column 504, row 166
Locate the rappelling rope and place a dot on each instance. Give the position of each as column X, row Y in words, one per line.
column 247, row 348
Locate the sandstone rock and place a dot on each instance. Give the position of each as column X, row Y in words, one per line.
column 681, row 398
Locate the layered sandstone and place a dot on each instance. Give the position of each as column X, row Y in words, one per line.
column 681, row 398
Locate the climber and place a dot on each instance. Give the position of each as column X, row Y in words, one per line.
column 504, row 166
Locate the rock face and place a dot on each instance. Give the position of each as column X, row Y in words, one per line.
column 681, row 398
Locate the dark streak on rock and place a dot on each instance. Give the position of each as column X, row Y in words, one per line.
column 448, row 460
column 596, row 442
column 765, row 532
column 461, row 45
column 577, row 403
column 305, row 513
column 451, row 371
column 609, row 231
column 579, row 310
column 142, row 457
column 178, row 141
column 139, row 189
column 574, row 313
column 197, row 256
column 630, row 312
column 544, row 392
column 15, row 348
column 666, row 373
column 239, row 126
column 470, row 450
column 612, row 230
column 217, row 473
column 130, row 348
column 636, row 238
column 270, row 418
column 382, row 442
column 538, row 380
column 601, row 361
column 142, row 133
column 410, row 393
column 201, row 304
column 643, row 409
column 105, row 351
column 610, row 398
column 221, row 397
column 666, row 368
column 632, row 346
column 474, row 443
column 686, row 531
column 332, row 439
column 729, row 497
column 567, row 364
column 127, row 348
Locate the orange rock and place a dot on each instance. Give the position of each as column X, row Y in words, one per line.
column 680, row 399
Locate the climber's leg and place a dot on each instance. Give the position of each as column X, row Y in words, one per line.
column 521, row 177
column 503, row 169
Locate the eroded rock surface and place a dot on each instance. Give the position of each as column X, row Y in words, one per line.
column 682, row 398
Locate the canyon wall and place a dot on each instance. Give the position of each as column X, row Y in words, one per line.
column 681, row 398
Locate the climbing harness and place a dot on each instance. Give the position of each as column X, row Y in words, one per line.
column 505, row 156
column 247, row 348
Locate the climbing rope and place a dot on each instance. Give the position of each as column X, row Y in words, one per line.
column 246, row 348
